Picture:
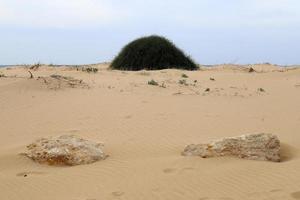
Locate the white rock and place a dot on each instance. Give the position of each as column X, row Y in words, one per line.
column 65, row 150
column 254, row 147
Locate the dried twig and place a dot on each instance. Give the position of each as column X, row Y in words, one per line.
column 31, row 75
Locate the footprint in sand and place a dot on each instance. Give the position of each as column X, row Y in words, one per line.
column 25, row 174
column 117, row 193
column 296, row 195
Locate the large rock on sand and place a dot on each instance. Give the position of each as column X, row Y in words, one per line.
column 254, row 147
column 65, row 150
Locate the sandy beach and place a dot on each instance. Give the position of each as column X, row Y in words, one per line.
column 145, row 128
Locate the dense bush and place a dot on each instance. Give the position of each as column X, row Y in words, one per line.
column 152, row 53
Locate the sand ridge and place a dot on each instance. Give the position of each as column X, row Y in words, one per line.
column 145, row 127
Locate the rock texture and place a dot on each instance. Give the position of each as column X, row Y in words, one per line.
column 254, row 147
column 65, row 150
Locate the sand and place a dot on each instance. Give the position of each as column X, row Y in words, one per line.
column 145, row 128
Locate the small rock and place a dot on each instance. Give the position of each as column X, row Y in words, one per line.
column 212, row 79
column 65, row 150
column 261, row 146
column 260, row 90
column 207, row 89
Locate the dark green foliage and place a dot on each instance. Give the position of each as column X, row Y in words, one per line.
column 152, row 53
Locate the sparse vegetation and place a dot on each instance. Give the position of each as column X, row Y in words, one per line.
column 153, row 82
column 35, row 66
column 152, row 53
column 90, row 69
column 182, row 82
column 261, row 90
column 184, row 76
column 2, row 75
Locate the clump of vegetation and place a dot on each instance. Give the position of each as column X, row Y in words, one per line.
column 184, row 76
column 261, row 90
column 182, row 82
column 153, row 82
column 90, row 69
column 152, row 53
column 2, row 75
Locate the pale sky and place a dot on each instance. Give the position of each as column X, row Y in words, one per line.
column 92, row 31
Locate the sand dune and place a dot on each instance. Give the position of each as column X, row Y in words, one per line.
column 145, row 127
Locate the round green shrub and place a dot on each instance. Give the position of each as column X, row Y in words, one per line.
column 152, row 53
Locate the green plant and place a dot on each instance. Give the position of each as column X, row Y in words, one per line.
column 152, row 53
column 184, row 76
column 153, row 82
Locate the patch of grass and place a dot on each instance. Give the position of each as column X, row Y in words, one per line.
column 153, row 82
column 152, row 53
column 184, row 76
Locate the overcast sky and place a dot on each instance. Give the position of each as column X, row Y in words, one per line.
column 91, row 31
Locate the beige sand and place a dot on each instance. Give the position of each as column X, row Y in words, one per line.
column 145, row 128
